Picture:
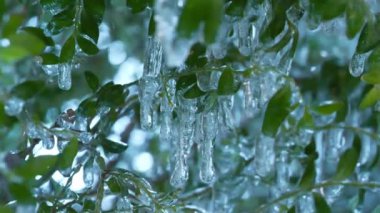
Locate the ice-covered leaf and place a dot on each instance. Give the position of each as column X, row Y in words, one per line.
column 369, row 38
column 138, row 5
column 226, row 84
column 193, row 92
column 194, row 14
column 197, row 56
column 321, row 206
column 308, row 177
column 328, row 9
column 278, row 109
column 96, row 8
column 236, row 8
column 89, row 26
column 371, row 97
column 49, row 59
column 111, row 95
column 185, row 81
column 68, row 154
column 68, row 50
column 92, row 80
column 356, row 13
column 113, row 146
column 328, row 107
column 38, row 32
column 28, row 89
column 21, row 193
column 347, row 163
column 40, row 165
column 87, row 46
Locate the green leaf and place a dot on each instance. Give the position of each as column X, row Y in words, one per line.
column 197, row 56
column 369, row 37
column 111, row 95
column 113, row 146
column 292, row 210
column 92, row 80
column 64, row 19
column 277, row 110
column 185, row 81
column 87, row 108
column 38, row 32
column 226, row 84
column 5, row 209
column 356, row 13
column 10, row 27
column 371, row 97
column 307, row 120
column 32, row 44
column 12, row 54
column 152, row 25
column 21, row 193
column 68, row 50
column 87, row 46
column 68, row 154
column 114, row 185
column 28, row 89
column 347, row 163
column 138, row 5
column 309, row 174
column 89, row 26
column 194, row 14
column 236, row 8
column 321, row 206
column 49, row 59
column 96, row 8
column 193, row 92
column 328, row 107
column 40, row 165
column 328, row 9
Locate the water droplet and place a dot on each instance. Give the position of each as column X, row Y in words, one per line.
column 356, row 66
column 14, row 106
column 64, row 76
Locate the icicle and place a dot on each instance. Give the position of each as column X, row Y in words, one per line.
column 166, row 17
column 264, row 156
column 64, row 76
column 249, row 103
column 88, row 173
column 149, row 85
column 13, row 106
column 242, row 29
column 283, row 171
column 153, row 58
column 356, row 66
column 148, row 114
column 225, row 113
column 186, row 113
column 210, row 124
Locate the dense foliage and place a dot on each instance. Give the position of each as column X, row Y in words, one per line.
column 245, row 105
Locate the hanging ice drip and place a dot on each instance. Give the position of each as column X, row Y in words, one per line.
column 149, row 84
column 186, row 119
